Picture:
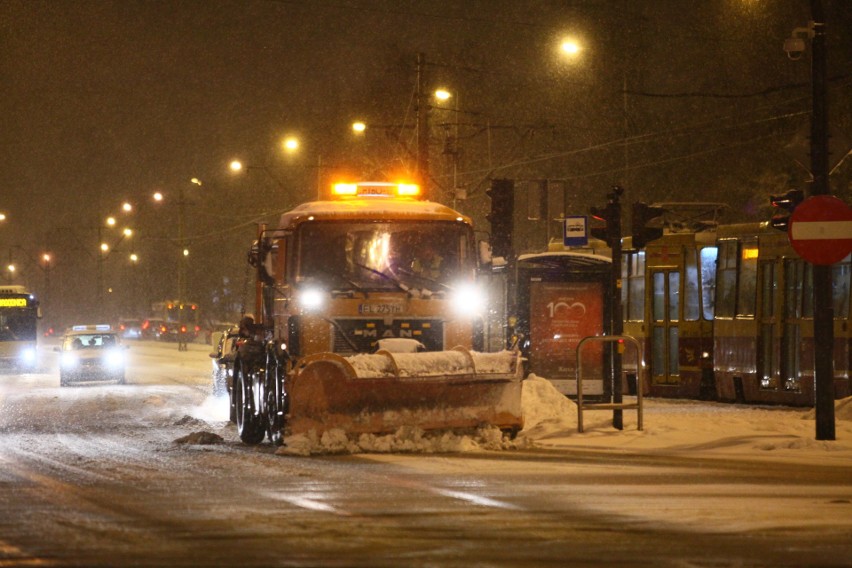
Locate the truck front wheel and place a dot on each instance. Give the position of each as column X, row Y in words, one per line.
column 249, row 425
column 276, row 398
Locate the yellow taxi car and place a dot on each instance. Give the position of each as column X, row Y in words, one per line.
column 91, row 353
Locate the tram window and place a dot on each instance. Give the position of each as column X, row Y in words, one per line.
column 634, row 293
column 794, row 278
column 674, row 351
column 747, row 282
column 726, row 285
column 769, row 289
column 674, row 296
column 840, row 274
column 707, row 259
column 807, row 290
column 690, row 286
column 658, row 305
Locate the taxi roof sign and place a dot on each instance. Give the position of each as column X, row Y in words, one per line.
column 97, row 327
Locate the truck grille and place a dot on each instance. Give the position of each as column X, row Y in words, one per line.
column 364, row 334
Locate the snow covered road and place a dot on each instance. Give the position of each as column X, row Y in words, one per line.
column 93, row 476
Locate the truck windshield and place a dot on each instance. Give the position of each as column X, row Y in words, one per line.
column 380, row 255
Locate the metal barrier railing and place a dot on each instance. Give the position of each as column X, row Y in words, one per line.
column 625, row 339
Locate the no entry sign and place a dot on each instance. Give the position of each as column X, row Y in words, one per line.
column 820, row 229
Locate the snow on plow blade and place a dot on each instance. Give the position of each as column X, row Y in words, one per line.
column 379, row 393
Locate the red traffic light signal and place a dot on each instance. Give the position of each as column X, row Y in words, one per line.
column 611, row 216
column 787, row 202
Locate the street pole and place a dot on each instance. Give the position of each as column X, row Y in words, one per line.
column 823, row 309
column 617, row 321
column 422, row 126
column 181, row 268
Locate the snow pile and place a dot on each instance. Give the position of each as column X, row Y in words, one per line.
column 407, row 439
column 842, row 410
column 546, row 410
column 201, row 438
column 436, row 363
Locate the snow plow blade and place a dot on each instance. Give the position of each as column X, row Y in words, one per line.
column 376, row 394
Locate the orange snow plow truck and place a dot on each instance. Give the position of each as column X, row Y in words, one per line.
column 368, row 318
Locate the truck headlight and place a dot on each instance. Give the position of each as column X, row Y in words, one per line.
column 311, row 299
column 468, row 299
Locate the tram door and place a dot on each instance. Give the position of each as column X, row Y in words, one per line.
column 665, row 340
column 791, row 331
column 780, row 325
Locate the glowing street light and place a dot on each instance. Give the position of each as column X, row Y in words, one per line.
column 110, row 221
column 157, row 196
column 443, row 95
column 570, row 47
column 291, row 144
column 236, row 166
column 359, row 127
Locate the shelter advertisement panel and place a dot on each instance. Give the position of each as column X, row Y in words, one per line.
column 561, row 314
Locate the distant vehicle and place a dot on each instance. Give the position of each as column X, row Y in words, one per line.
column 130, row 328
column 182, row 319
column 154, row 329
column 19, row 314
column 91, row 353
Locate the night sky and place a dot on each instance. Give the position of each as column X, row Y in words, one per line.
column 107, row 101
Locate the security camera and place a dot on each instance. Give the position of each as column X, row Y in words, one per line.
column 795, row 47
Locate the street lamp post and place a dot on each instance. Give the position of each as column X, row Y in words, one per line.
column 182, row 263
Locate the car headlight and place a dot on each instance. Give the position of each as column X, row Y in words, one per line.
column 468, row 299
column 69, row 360
column 311, row 299
column 114, row 358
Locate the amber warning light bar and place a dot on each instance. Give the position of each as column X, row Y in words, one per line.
column 376, row 189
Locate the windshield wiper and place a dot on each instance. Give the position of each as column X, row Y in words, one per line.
column 443, row 287
column 395, row 281
column 338, row 276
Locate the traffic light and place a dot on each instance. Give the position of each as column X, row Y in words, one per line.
column 643, row 216
column 502, row 194
column 788, row 202
column 611, row 215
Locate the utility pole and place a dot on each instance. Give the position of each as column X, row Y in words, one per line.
column 823, row 309
column 617, row 319
column 422, row 126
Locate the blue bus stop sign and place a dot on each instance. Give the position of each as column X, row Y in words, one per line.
column 575, row 231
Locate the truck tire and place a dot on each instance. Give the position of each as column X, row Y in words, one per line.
column 275, row 398
column 249, row 424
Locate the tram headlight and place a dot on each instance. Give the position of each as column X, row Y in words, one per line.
column 468, row 299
